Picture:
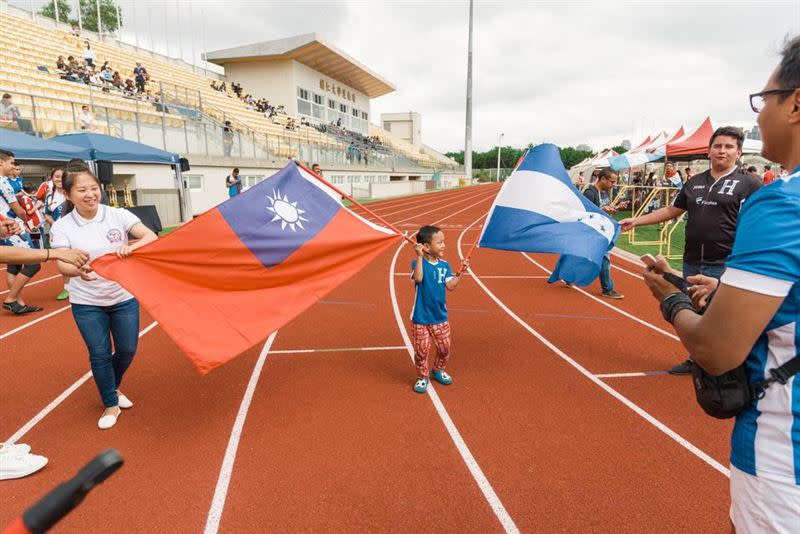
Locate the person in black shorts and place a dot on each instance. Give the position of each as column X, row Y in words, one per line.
column 712, row 200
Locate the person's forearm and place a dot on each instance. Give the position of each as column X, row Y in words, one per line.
column 67, row 269
column 417, row 274
column 18, row 256
column 660, row 215
column 453, row 282
column 17, row 209
column 713, row 353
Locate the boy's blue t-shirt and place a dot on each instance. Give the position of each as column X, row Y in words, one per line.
column 430, row 306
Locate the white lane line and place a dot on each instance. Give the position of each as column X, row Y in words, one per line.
column 58, row 400
column 349, row 349
column 33, row 283
column 631, row 375
column 39, row 320
column 611, row 391
column 606, row 304
column 472, row 464
column 225, row 472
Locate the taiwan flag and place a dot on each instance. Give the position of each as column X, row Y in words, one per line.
column 224, row 281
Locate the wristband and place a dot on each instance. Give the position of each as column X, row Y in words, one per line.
column 674, row 303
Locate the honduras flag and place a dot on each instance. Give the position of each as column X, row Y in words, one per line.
column 539, row 210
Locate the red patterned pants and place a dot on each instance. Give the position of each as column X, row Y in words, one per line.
column 421, row 336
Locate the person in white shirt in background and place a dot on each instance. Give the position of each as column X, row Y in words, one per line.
column 86, row 119
column 88, row 55
column 102, row 309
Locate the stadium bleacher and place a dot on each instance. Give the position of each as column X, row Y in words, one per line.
column 53, row 103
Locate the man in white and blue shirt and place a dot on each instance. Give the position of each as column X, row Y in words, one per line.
column 753, row 318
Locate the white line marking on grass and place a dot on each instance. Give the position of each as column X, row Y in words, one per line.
column 225, row 472
column 58, row 400
column 33, row 283
column 38, row 320
column 474, row 469
column 350, row 349
column 606, row 304
column 611, row 391
column 631, row 375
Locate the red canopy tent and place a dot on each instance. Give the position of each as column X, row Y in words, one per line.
column 695, row 144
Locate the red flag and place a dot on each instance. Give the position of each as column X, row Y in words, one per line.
column 227, row 279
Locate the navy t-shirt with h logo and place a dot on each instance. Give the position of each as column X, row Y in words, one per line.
column 713, row 208
column 430, row 306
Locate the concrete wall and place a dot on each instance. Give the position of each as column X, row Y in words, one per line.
column 406, row 126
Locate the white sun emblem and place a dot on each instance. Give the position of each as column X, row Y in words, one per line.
column 286, row 212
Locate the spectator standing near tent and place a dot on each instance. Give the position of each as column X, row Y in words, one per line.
column 17, row 275
column 754, row 319
column 712, row 199
column 769, row 176
column 86, row 119
column 233, row 183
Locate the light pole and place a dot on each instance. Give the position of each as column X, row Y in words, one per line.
column 468, row 127
column 499, row 148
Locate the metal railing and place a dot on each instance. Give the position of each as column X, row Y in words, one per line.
column 186, row 130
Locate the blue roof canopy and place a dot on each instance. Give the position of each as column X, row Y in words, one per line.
column 107, row 148
column 28, row 147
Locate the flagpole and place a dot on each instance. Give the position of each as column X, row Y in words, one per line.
column 354, row 201
column 469, row 253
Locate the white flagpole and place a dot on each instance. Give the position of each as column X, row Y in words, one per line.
column 55, row 6
column 203, row 31
column 99, row 21
column 80, row 16
column 191, row 36
column 136, row 25
column 178, row 28
column 468, row 126
column 166, row 30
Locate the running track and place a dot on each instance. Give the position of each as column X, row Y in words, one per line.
column 317, row 429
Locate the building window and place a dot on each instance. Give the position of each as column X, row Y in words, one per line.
column 194, row 181
column 332, row 103
column 302, row 93
column 355, row 113
column 249, row 180
column 364, row 115
column 318, row 99
column 304, row 107
column 343, row 108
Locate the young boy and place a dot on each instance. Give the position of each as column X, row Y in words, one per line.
column 431, row 275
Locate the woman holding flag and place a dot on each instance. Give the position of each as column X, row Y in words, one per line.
column 102, row 309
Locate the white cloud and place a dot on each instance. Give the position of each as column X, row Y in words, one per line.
column 570, row 71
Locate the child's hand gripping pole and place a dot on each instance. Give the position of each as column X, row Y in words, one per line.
column 465, row 261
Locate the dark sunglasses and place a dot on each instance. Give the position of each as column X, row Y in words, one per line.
column 757, row 100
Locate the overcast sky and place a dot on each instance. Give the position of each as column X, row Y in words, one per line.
column 568, row 72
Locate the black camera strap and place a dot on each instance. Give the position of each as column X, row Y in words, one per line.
column 780, row 374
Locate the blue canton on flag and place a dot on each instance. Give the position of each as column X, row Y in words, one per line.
column 538, row 209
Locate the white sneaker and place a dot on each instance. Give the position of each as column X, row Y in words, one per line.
column 123, row 401
column 18, row 465
column 19, row 448
column 107, row 421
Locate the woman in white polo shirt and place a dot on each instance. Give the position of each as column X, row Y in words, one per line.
column 102, row 309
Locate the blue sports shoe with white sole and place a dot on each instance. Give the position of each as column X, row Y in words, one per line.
column 421, row 385
column 442, row 377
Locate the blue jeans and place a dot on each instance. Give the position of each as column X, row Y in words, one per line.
column 98, row 325
column 709, row 269
column 606, row 283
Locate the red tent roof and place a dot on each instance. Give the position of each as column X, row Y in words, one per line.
column 642, row 144
column 695, row 144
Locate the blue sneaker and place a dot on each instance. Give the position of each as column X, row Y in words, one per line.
column 421, row 385
column 442, row 377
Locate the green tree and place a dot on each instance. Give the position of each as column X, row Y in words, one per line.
column 571, row 156
column 64, row 10
column 619, row 149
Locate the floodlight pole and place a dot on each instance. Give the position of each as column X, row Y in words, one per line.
column 80, row 17
column 99, row 21
column 499, row 145
column 55, row 7
column 468, row 126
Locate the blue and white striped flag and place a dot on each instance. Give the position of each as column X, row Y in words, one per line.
column 539, row 210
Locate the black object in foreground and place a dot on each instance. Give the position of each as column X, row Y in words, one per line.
column 66, row 496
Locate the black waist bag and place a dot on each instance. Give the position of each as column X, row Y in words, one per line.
column 726, row 395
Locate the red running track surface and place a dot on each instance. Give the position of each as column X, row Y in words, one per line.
column 335, row 440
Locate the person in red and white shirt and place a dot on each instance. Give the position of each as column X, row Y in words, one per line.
column 768, row 176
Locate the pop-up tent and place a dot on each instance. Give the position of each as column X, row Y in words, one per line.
column 29, row 147
column 106, row 148
column 696, row 143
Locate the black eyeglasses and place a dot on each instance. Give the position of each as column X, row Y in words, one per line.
column 757, row 100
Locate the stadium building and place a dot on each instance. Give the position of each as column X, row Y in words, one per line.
column 324, row 115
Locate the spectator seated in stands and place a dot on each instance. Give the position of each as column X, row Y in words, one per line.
column 129, row 89
column 8, row 110
column 107, row 75
column 116, row 81
column 75, row 31
column 61, row 66
column 86, row 119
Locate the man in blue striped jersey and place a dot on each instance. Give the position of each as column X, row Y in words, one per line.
column 754, row 315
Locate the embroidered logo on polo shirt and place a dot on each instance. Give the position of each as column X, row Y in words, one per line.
column 114, row 236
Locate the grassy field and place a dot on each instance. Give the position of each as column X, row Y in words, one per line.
column 650, row 233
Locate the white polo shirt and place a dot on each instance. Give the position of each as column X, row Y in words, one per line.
column 105, row 233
